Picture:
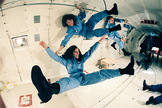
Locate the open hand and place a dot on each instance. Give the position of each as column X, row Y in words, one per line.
column 43, row 44
column 78, row 7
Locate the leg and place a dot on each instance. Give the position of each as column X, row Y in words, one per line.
column 157, row 88
column 158, row 99
column 95, row 19
column 99, row 16
column 105, row 74
column 119, row 42
column 41, row 84
column 154, row 101
column 160, row 49
column 68, row 84
column 102, row 31
column 142, row 61
column 99, row 76
column 117, row 35
column 97, row 32
column 117, row 39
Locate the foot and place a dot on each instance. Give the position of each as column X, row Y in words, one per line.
column 145, row 86
column 138, row 63
column 150, row 101
column 129, row 69
column 114, row 10
column 41, row 84
column 127, row 53
column 131, row 64
column 113, row 45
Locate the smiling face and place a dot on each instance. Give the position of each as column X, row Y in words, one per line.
column 70, row 22
column 76, row 53
column 111, row 20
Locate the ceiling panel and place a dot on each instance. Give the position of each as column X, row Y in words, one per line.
column 152, row 4
column 135, row 5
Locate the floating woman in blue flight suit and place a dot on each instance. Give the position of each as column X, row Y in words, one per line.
column 76, row 27
column 74, row 61
column 154, row 88
column 110, row 22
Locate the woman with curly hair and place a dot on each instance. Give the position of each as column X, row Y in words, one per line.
column 75, row 26
column 74, row 61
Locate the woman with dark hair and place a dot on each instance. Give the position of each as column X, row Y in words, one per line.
column 73, row 60
column 75, row 26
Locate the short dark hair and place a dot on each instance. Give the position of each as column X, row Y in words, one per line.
column 68, row 17
column 69, row 53
column 109, row 17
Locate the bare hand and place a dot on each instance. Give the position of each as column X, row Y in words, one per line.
column 126, row 21
column 78, row 7
column 122, row 39
column 43, row 44
column 57, row 52
column 103, row 37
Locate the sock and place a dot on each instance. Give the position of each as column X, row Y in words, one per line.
column 116, row 28
column 129, row 69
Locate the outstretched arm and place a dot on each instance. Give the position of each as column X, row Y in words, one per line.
column 82, row 13
column 63, row 43
column 121, row 20
column 92, row 49
column 80, row 8
column 52, row 54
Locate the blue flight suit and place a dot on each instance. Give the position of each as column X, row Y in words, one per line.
column 75, row 70
column 86, row 29
column 115, row 35
column 157, row 88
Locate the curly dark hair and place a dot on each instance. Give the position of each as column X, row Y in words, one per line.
column 69, row 53
column 68, row 17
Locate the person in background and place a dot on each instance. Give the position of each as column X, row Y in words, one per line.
column 110, row 23
column 146, row 61
column 154, row 88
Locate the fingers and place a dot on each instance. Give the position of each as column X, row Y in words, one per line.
column 77, row 6
column 41, row 43
column 57, row 52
